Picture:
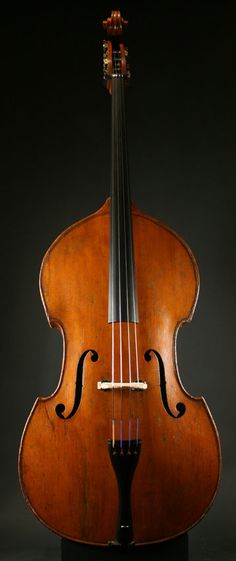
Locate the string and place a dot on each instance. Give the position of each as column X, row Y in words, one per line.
column 125, row 244
column 115, row 176
column 119, row 264
column 133, row 286
column 112, row 294
column 126, row 255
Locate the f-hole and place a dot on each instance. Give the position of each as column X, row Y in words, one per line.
column 60, row 407
column 180, row 407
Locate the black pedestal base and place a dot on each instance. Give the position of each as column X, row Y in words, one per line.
column 176, row 550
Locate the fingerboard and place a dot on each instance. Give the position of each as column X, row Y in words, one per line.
column 122, row 285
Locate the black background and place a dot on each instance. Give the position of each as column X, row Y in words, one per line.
column 55, row 169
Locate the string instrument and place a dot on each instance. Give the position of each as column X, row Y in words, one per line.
column 120, row 453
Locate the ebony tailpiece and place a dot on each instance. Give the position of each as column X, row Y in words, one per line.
column 124, row 458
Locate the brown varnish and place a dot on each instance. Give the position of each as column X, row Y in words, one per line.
column 65, row 469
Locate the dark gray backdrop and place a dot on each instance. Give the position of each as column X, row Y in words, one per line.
column 55, row 170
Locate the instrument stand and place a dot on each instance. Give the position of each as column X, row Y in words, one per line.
column 166, row 551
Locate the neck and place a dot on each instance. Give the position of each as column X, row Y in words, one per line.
column 122, row 291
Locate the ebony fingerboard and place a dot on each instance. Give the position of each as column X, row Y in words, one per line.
column 122, row 285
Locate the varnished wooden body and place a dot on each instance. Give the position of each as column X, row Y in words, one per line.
column 65, row 469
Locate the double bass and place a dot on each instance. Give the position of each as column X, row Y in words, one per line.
column 120, row 453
